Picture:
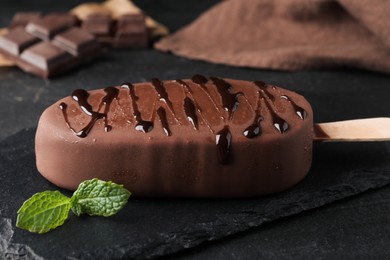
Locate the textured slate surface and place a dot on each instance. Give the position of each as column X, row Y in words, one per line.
column 354, row 228
column 155, row 227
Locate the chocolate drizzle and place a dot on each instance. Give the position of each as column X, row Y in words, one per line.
column 223, row 140
column 298, row 110
column 189, row 93
column 190, row 111
column 264, row 88
column 201, row 81
column 162, row 114
column 229, row 102
column 81, row 96
column 279, row 123
column 63, row 108
column 140, row 125
column 107, row 100
column 254, row 129
column 163, row 95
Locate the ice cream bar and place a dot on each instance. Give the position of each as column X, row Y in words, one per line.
column 198, row 137
column 49, row 46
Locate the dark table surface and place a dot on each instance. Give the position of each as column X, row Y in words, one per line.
column 357, row 227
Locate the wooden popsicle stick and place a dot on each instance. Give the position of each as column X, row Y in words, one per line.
column 359, row 130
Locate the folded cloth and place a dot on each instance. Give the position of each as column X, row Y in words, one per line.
column 289, row 34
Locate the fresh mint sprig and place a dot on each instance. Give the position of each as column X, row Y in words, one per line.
column 49, row 209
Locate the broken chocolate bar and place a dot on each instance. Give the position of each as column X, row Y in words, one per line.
column 49, row 46
column 199, row 137
column 127, row 31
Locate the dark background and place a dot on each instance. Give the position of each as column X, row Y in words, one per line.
column 358, row 227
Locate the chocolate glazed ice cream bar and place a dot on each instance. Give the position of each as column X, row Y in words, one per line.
column 200, row 137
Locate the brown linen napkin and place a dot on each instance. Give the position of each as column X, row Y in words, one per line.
column 289, row 34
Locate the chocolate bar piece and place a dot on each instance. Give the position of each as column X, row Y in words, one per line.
column 45, row 56
column 50, row 45
column 198, row 137
column 100, row 25
column 23, row 18
column 129, row 31
column 17, row 40
column 50, row 25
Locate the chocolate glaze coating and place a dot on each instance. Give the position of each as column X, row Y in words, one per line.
column 216, row 138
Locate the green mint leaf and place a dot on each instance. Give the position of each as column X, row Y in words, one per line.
column 49, row 209
column 99, row 198
column 43, row 211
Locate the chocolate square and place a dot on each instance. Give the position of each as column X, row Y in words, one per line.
column 47, row 27
column 131, row 31
column 45, row 56
column 68, row 18
column 98, row 24
column 17, row 40
column 23, row 18
column 75, row 41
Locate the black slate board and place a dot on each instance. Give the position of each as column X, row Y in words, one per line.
column 156, row 227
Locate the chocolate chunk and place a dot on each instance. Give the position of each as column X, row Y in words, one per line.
column 67, row 18
column 99, row 25
column 75, row 41
column 50, row 45
column 131, row 31
column 16, row 40
column 128, row 31
column 23, row 18
column 47, row 27
column 46, row 56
